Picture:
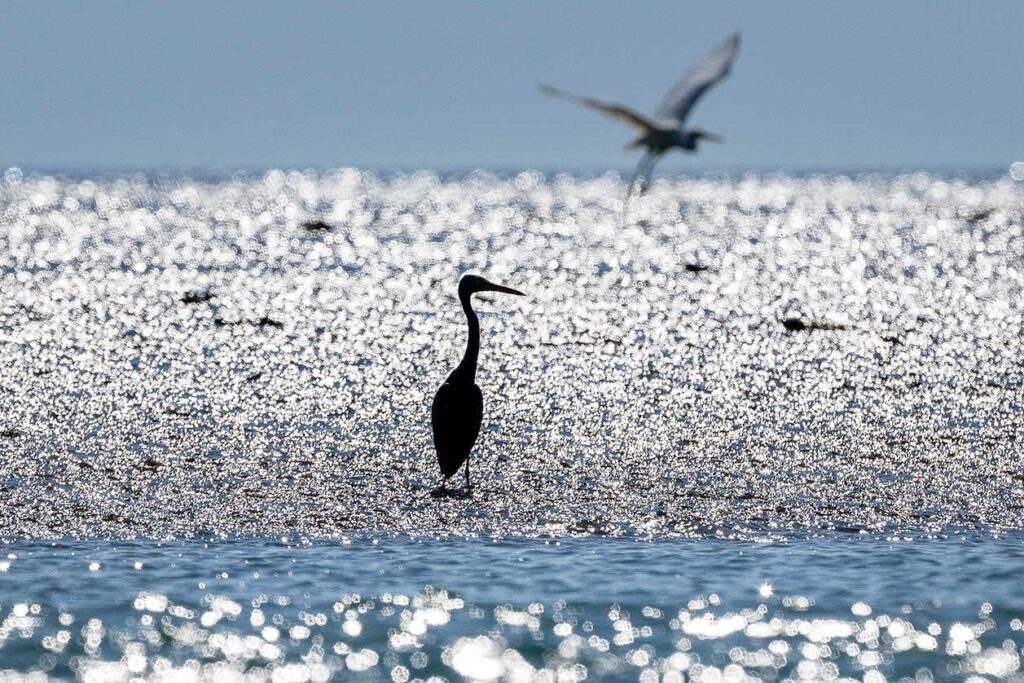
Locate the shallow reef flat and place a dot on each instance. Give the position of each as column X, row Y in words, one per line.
column 742, row 356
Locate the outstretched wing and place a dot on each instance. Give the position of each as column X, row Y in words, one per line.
column 616, row 111
column 455, row 418
column 712, row 69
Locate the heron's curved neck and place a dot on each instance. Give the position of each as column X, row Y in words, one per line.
column 468, row 365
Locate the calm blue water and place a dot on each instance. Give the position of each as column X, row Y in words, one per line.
column 394, row 608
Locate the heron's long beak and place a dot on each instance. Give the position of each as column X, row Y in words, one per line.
column 491, row 287
column 712, row 137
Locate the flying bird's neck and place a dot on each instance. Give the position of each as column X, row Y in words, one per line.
column 467, row 368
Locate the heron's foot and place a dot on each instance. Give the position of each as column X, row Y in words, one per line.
column 443, row 491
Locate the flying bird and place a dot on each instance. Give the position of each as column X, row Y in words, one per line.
column 665, row 129
column 458, row 407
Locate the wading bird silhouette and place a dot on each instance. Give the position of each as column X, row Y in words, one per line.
column 665, row 130
column 458, row 406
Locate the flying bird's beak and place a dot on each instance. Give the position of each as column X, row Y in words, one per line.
column 491, row 287
column 712, row 137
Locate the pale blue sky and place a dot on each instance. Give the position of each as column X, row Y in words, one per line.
column 452, row 85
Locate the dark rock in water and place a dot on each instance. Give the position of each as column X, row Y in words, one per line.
column 201, row 297
column 979, row 216
column 114, row 518
column 266, row 321
column 794, row 324
column 176, row 413
column 696, row 268
column 9, row 433
column 316, row 226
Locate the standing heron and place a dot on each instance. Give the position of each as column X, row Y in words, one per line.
column 665, row 130
column 458, row 406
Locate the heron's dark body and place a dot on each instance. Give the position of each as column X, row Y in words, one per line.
column 659, row 141
column 455, row 418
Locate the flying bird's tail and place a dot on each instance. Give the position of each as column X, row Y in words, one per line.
column 555, row 92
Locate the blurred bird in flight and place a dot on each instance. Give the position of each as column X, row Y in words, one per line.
column 666, row 129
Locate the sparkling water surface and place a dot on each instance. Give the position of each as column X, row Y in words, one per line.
column 395, row 608
column 182, row 357
column 758, row 427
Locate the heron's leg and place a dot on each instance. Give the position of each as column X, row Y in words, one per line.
column 468, row 487
column 629, row 188
column 640, row 173
column 442, row 490
column 645, row 178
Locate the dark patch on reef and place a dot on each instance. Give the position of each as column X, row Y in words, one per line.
column 793, row 324
column 197, row 297
column 316, row 226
